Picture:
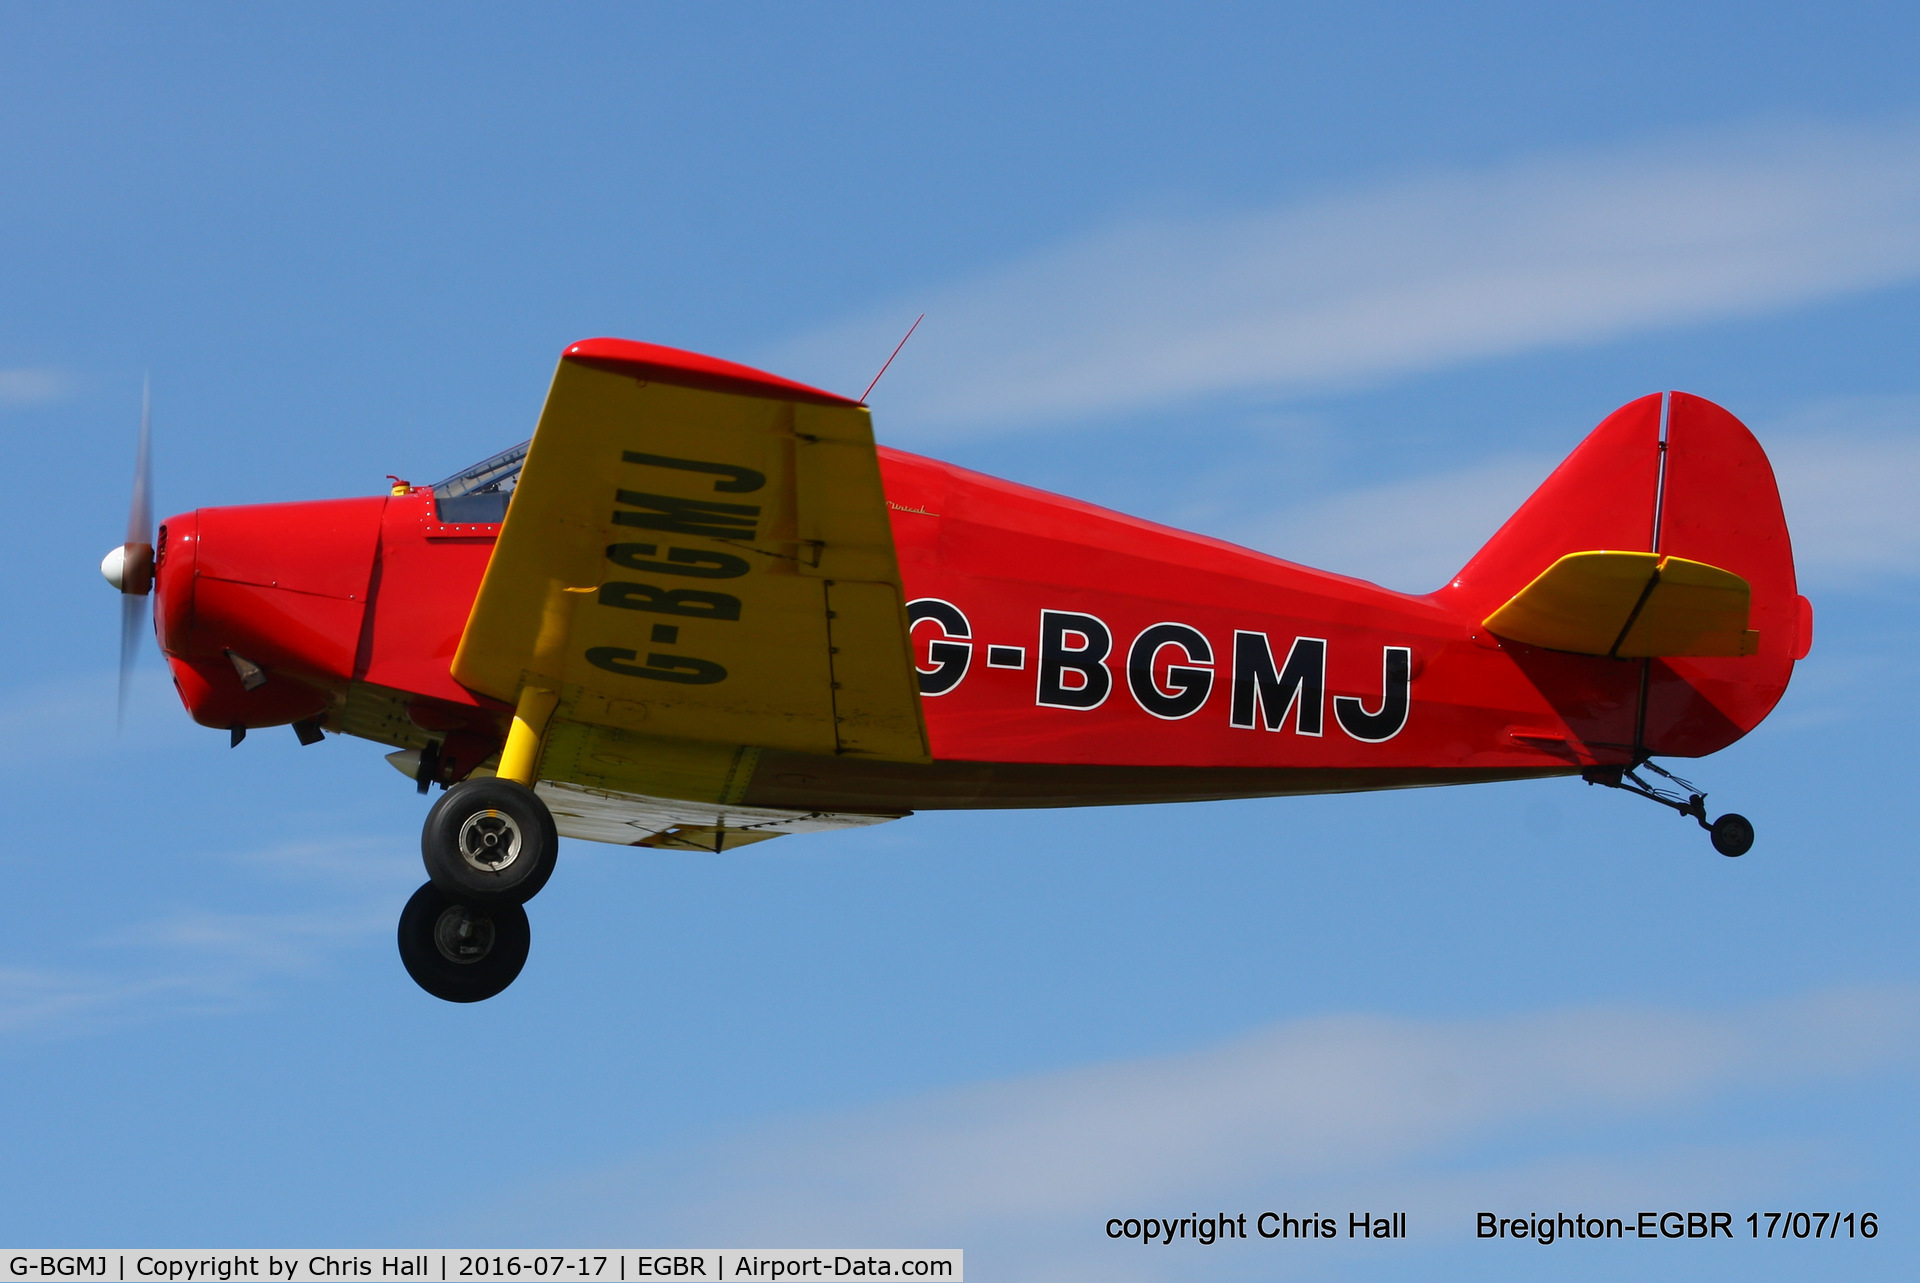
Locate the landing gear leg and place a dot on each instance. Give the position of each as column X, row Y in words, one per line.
column 462, row 952
column 492, row 841
column 489, row 846
column 1732, row 834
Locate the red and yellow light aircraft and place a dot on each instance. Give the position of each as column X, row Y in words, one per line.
column 700, row 608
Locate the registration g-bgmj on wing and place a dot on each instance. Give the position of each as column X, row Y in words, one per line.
column 700, row 608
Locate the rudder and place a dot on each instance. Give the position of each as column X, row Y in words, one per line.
column 1720, row 504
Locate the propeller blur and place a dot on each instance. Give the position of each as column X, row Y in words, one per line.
column 129, row 568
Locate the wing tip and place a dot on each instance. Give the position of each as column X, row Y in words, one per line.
column 659, row 364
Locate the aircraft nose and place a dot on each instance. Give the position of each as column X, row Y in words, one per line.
column 129, row 568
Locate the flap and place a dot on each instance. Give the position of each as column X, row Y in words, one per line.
column 1630, row 605
column 698, row 551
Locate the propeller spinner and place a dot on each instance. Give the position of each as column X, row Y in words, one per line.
column 129, row 568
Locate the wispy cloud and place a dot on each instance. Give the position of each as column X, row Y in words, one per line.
column 74, row 716
column 1313, row 1110
column 247, row 946
column 1411, row 535
column 343, row 861
column 26, row 387
column 1412, row 275
column 192, row 959
column 1849, row 475
column 41, row 998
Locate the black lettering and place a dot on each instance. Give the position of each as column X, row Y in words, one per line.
column 661, row 668
column 687, row 516
column 671, row 601
column 1396, row 665
column 1057, row 659
column 949, row 658
column 697, row 562
column 1191, row 685
column 1300, row 682
column 744, row 480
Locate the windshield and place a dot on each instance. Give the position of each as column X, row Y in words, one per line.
column 479, row 494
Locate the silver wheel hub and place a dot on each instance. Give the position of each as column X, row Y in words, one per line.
column 490, row 841
column 462, row 935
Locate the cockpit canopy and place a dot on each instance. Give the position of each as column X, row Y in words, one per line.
column 479, row 495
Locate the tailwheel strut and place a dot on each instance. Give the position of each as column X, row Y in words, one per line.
column 1732, row 834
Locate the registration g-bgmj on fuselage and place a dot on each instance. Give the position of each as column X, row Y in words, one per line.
column 701, row 609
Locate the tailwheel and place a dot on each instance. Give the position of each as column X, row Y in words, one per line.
column 489, row 841
column 462, row 952
column 1731, row 834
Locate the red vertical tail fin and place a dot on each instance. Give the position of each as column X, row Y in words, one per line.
column 1676, row 475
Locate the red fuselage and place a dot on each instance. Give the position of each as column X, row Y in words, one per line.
column 1068, row 655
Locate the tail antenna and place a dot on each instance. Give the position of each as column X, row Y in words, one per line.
column 896, row 352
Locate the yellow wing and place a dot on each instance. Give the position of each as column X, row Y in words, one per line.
column 697, row 559
column 1630, row 605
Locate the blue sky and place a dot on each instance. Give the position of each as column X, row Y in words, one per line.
column 1342, row 284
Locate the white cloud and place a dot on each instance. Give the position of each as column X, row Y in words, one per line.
column 1413, row 275
column 26, row 387
column 76, row 715
column 192, row 960
column 1850, row 480
column 1849, row 475
column 343, row 861
column 237, row 948
column 1409, row 535
column 195, row 959
column 38, row 998
column 1329, row 1113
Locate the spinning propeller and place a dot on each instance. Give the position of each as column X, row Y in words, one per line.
column 129, row 567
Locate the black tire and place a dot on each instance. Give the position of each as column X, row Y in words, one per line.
column 489, row 841
column 1732, row 834
column 435, row 932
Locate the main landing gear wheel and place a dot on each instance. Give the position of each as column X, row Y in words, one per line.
column 462, row 952
column 1732, row 834
column 489, row 841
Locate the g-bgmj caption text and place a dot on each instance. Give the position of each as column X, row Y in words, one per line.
column 575, row 1265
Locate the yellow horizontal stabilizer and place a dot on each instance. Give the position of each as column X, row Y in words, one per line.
column 1630, row 605
column 693, row 564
